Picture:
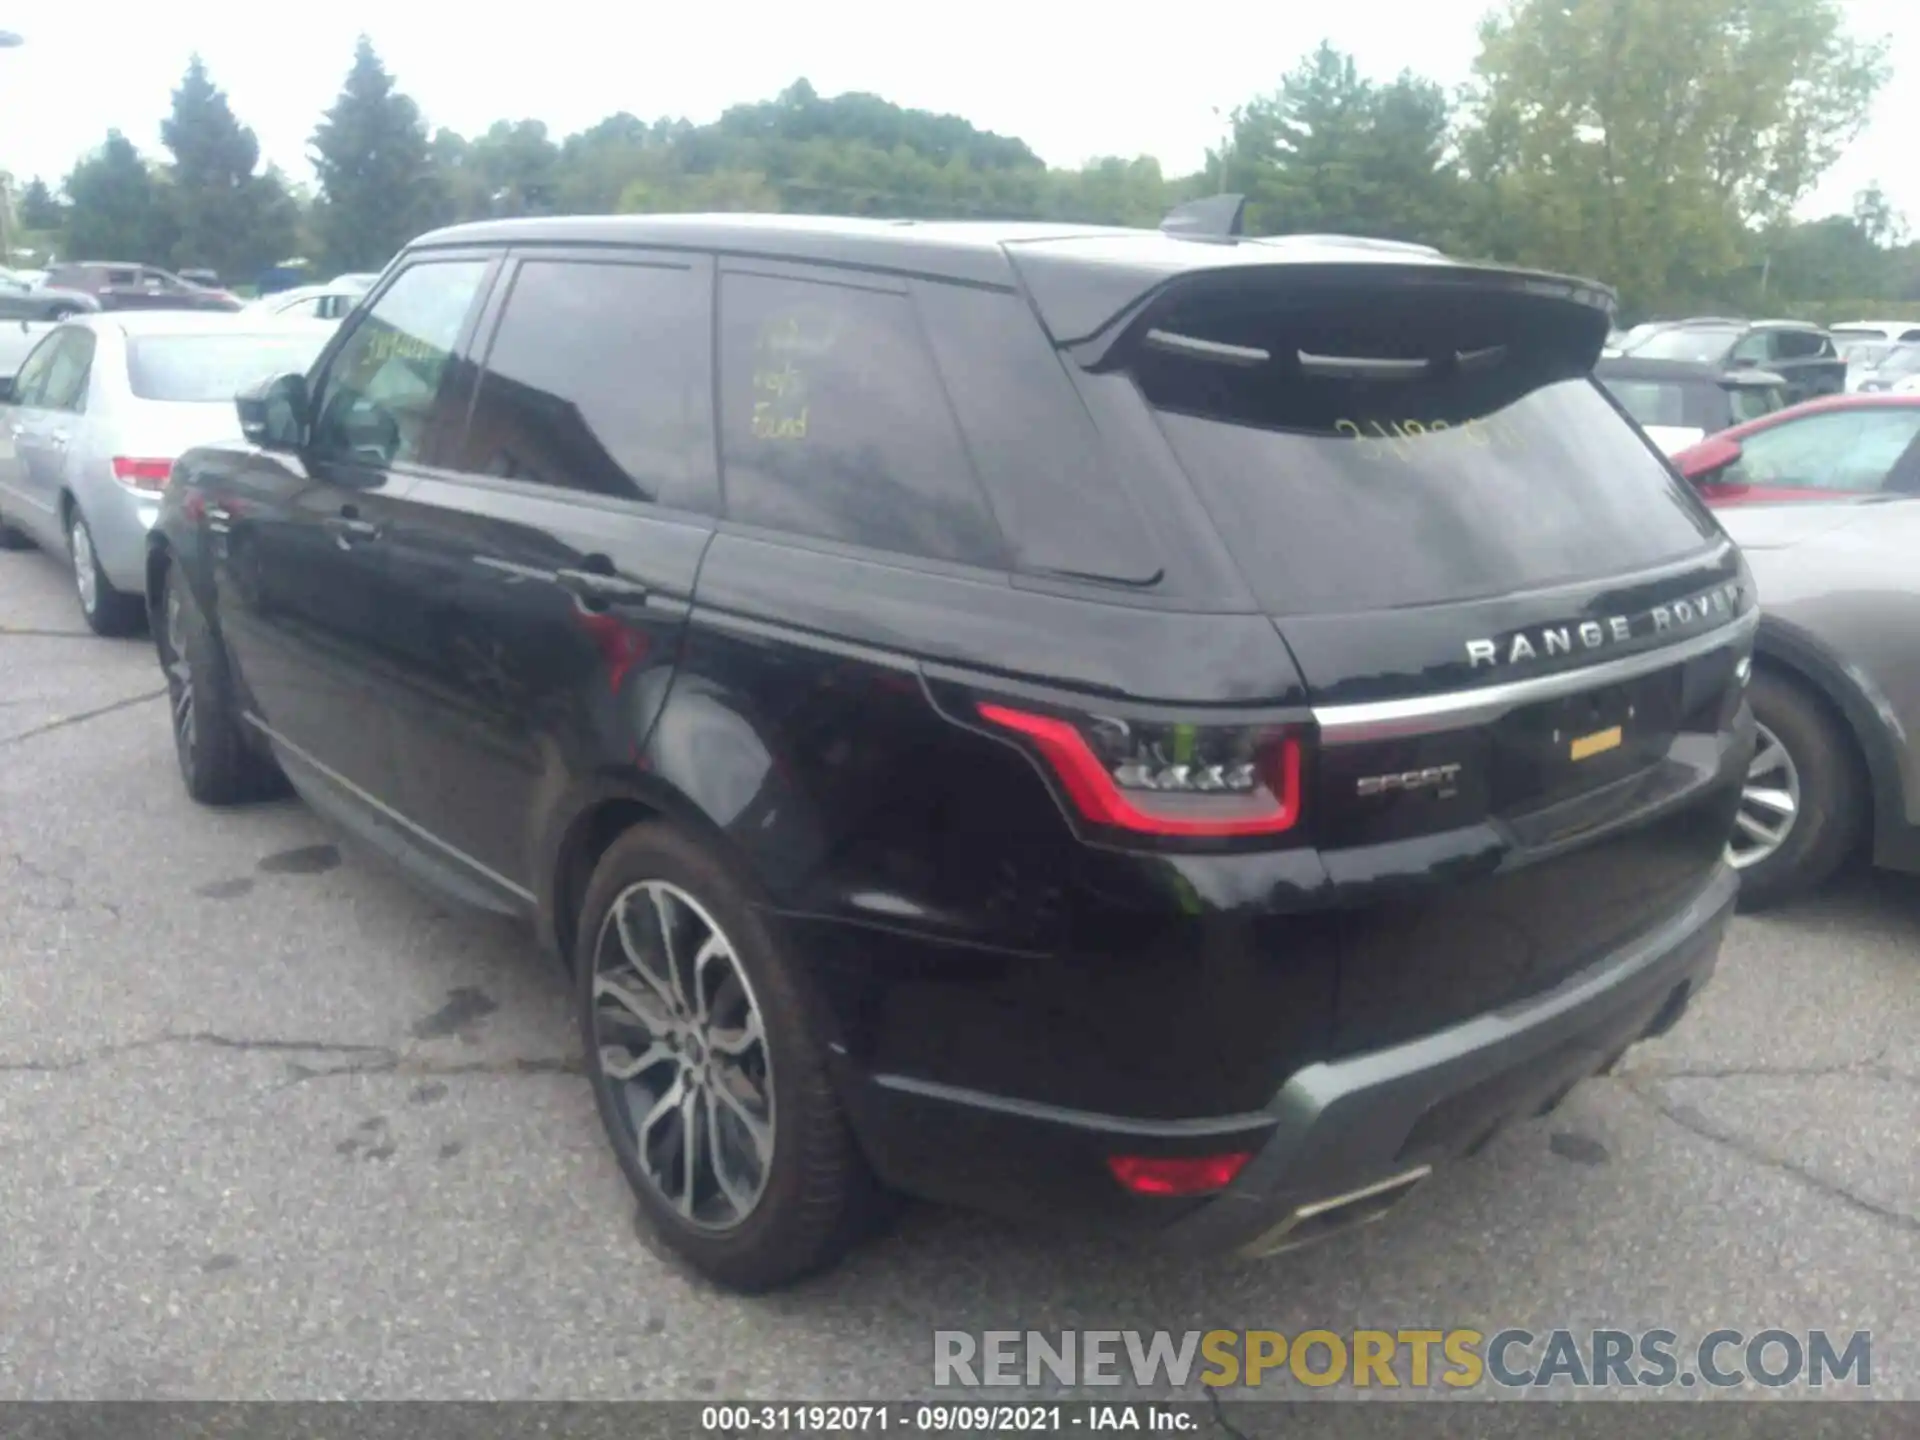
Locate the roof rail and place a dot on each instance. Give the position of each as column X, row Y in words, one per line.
column 1217, row 217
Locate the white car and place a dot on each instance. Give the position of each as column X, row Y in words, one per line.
column 1891, row 331
column 332, row 301
column 92, row 423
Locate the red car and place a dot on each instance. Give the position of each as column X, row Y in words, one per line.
column 1825, row 449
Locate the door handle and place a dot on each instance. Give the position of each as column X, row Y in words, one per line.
column 595, row 587
column 347, row 527
column 58, row 440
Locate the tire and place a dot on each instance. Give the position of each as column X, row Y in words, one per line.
column 815, row 1195
column 217, row 765
column 1820, row 763
column 107, row 611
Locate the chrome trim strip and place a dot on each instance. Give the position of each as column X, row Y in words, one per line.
column 375, row 803
column 1385, row 719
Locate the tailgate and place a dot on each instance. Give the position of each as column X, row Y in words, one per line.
column 1522, row 633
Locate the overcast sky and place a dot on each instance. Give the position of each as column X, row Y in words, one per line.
column 1073, row 79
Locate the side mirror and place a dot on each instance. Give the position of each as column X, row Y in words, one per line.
column 1700, row 463
column 273, row 413
column 1744, row 362
column 6, row 389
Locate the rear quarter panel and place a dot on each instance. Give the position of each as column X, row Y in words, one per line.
column 1849, row 593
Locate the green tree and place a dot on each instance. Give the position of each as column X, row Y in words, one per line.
column 1639, row 140
column 39, row 210
column 378, row 186
column 228, row 218
column 118, row 209
column 1330, row 151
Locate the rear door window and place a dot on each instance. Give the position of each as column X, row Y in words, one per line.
column 1359, row 456
column 834, row 423
column 600, row 379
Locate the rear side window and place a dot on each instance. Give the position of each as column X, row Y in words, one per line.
column 600, row 379
column 1357, row 455
column 1798, row 344
column 201, row 369
column 1850, row 451
column 834, row 423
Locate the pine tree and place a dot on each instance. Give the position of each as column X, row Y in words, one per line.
column 38, row 208
column 118, row 210
column 378, row 188
column 230, row 220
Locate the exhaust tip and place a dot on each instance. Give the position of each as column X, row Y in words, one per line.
column 1319, row 1219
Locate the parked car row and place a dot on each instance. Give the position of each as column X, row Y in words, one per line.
column 1080, row 722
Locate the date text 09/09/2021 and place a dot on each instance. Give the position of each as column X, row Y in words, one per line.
column 938, row 1418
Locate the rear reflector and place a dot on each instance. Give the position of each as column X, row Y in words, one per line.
column 1176, row 1175
column 148, row 475
column 1174, row 779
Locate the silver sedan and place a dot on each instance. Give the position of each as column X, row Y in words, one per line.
column 92, row 422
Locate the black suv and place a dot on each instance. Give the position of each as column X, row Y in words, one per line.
column 1172, row 730
column 1802, row 355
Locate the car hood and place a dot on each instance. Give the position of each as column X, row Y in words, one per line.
column 1775, row 527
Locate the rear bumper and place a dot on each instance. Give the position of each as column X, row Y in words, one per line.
column 1359, row 1132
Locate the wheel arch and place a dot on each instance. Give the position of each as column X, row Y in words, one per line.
column 587, row 822
column 1799, row 659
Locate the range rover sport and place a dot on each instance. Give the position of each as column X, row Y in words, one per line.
column 1164, row 730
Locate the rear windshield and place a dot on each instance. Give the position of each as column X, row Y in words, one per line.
column 201, row 368
column 1702, row 344
column 1900, row 361
column 1654, row 402
column 1407, row 452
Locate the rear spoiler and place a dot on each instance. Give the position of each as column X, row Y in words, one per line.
column 1388, row 285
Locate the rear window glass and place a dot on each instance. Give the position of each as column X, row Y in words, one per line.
column 1412, row 453
column 1651, row 402
column 1898, row 362
column 1702, row 344
column 201, row 368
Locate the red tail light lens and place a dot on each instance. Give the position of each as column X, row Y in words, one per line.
column 147, row 475
column 1172, row 778
column 1176, row 1175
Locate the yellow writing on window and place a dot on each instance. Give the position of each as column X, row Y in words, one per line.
column 1380, row 439
column 770, row 424
column 781, row 382
column 386, row 345
column 796, row 334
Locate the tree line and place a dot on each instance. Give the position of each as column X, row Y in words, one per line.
column 1660, row 145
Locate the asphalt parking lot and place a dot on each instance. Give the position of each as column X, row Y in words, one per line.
column 275, row 1125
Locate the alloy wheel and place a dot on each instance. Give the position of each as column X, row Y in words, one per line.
column 86, row 575
column 179, row 674
column 1769, row 803
column 682, row 1046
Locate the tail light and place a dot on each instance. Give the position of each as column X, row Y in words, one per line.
column 1166, row 778
column 1177, row 1175
column 147, row 475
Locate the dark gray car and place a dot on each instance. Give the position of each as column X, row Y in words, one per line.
column 21, row 301
column 1836, row 689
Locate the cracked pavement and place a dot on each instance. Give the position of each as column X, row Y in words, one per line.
column 275, row 1125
